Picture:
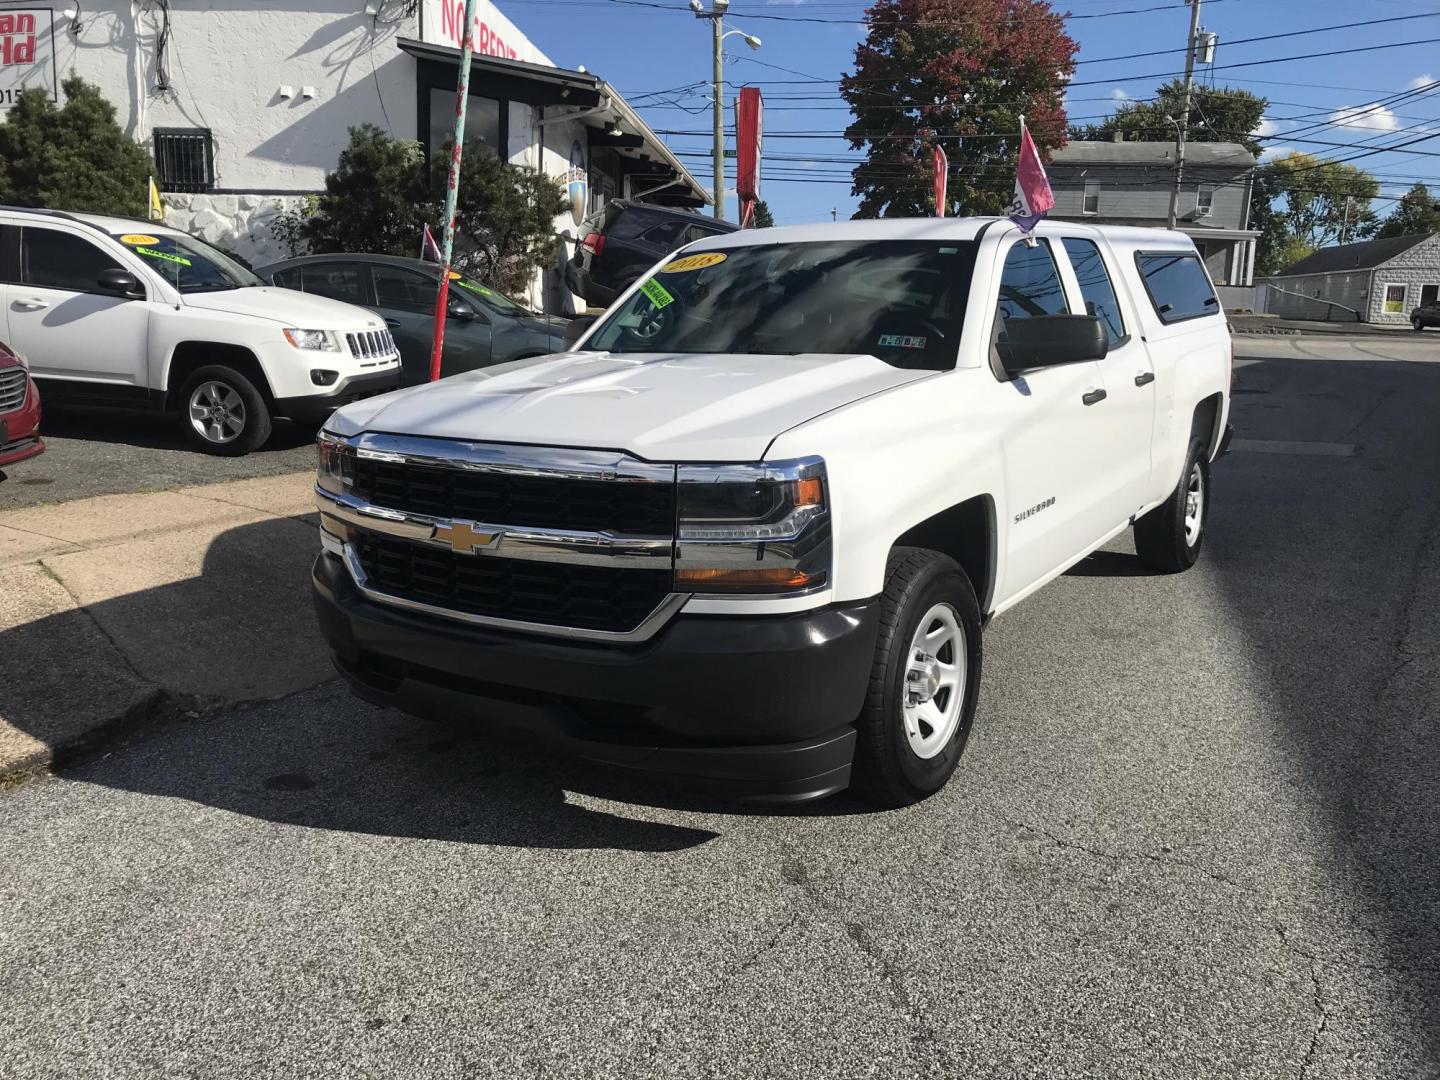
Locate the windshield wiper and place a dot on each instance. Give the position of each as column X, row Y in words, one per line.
column 213, row 286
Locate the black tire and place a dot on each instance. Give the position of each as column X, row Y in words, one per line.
column 1161, row 539
column 887, row 769
column 1417, row 325
column 254, row 413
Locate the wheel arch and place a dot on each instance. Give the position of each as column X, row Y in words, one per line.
column 1206, row 423
column 189, row 357
column 966, row 532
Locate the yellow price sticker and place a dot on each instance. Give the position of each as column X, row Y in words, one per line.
column 138, row 239
column 694, row 262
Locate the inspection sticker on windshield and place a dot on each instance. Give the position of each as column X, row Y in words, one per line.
column 900, row 341
column 694, row 262
column 138, row 239
column 481, row 289
column 162, row 255
column 656, row 293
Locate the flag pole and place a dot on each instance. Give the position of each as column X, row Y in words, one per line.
column 452, row 190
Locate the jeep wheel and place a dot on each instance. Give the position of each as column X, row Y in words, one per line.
column 223, row 413
column 1168, row 538
column 925, row 681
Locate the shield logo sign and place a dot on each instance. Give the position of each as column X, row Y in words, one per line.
column 578, row 183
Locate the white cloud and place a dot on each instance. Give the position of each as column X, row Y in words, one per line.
column 1119, row 96
column 1366, row 117
column 1419, row 81
column 1271, row 152
column 1267, row 128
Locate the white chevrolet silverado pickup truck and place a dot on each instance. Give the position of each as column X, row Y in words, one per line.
column 749, row 529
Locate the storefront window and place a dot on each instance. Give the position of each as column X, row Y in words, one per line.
column 482, row 120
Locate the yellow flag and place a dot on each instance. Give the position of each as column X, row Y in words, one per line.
column 157, row 210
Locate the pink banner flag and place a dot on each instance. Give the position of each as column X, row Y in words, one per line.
column 429, row 250
column 1033, row 198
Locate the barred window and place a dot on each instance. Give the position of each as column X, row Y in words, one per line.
column 185, row 159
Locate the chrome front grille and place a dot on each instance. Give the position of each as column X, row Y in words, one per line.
column 12, row 389
column 565, row 542
column 369, row 344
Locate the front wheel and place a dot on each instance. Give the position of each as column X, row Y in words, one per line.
column 924, row 683
column 223, row 413
column 1168, row 538
column 1417, row 325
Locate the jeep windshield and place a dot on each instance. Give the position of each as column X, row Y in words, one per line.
column 189, row 264
column 902, row 301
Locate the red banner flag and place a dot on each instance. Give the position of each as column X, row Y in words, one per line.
column 749, row 120
column 942, row 171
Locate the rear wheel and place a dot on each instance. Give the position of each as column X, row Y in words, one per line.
column 924, row 683
column 1417, row 325
column 223, row 413
column 1168, row 538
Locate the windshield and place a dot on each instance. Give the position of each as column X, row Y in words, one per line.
column 902, row 301
column 497, row 300
column 189, row 264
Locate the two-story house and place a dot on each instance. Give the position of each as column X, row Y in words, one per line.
column 1129, row 183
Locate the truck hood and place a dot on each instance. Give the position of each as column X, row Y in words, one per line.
column 288, row 306
column 659, row 406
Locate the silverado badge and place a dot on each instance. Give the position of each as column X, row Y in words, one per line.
column 465, row 539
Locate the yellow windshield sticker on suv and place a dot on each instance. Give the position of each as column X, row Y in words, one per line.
column 180, row 259
column 656, row 293
column 138, row 239
column 694, row 262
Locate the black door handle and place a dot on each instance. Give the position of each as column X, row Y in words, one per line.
column 1145, row 378
column 1093, row 396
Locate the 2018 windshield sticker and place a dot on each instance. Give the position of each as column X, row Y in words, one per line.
column 694, row 262
column 138, row 239
column 656, row 293
column 900, row 341
column 180, row 259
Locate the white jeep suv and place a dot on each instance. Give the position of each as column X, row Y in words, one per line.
column 111, row 311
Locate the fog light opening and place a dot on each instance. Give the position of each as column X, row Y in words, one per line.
column 322, row 377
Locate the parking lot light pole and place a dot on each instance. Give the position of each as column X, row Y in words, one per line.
column 452, row 191
column 716, row 15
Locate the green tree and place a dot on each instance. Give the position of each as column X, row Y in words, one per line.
column 1321, row 200
column 958, row 74
column 1222, row 114
column 1418, row 211
column 763, row 218
column 72, row 157
column 377, row 200
column 505, row 217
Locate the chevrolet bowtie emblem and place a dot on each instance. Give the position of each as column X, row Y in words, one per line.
column 465, row 539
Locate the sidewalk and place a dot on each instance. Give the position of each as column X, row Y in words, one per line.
column 122, row 608
column 1269, row 324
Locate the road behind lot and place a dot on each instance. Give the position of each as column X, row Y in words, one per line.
column 1195, row 834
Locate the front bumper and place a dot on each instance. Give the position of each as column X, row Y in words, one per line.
column 757, row 708
column 20, row 429
column 309, row 408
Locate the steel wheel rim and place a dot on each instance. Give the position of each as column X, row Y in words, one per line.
column 935, row 672
column 1194, row 505
column 217, row 412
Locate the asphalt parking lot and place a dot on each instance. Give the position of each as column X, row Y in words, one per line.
column 1195, row 834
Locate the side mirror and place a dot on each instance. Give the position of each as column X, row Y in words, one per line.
column 455, row 308
column 1048, row 340
column 577, row 328
column 120, row 283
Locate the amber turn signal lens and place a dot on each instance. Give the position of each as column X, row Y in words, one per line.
column 764, row 579
column 809, row 492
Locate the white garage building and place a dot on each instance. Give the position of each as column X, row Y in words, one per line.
column 247, row 106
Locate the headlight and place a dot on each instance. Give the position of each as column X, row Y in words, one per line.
column 336, row 471
column 312, row 340
column 761, row 528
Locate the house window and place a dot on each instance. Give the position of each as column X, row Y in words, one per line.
column 482, row 120
column 185, row 159
column 1394, row 300
column 1429, row 294
column 1092, row 197
column 1204, row 200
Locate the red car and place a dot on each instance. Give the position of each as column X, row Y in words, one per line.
column 19, row 410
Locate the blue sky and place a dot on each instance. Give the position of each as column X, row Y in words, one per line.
column 641, row 50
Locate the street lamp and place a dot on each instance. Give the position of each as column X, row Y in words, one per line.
column 716, row 15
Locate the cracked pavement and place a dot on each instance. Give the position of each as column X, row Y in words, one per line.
column 1194, row 835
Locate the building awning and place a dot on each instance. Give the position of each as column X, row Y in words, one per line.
column 576, row 92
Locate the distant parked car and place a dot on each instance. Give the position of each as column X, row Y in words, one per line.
column 622, row 240
column 1426, row 315
column 19, row 410
column 484, row 326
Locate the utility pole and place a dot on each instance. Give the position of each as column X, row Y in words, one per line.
column 462, row 98
column 1345, row 224
column 716, row 15
column 1184, row 128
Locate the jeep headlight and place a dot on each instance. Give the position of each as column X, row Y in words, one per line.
column 312, row 340
column 762, row 529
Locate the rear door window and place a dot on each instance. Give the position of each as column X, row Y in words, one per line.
column 338, row 281
column 1096, row 289
column 1178, row 286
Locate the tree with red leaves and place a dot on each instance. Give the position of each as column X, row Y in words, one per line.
column 960, row 74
